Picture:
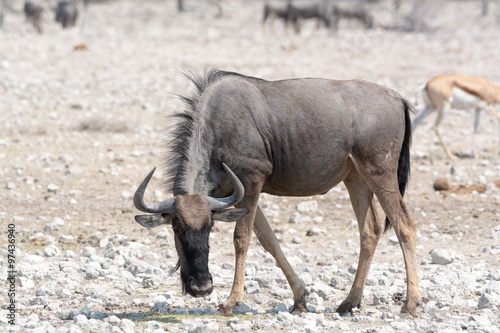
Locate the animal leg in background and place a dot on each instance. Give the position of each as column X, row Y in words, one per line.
column 421, row 116
column 370, row 229
column 495, row 113
column 435, row 127
column 270, row 243
column 427, row 110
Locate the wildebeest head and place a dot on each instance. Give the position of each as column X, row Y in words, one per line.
column 192, row 218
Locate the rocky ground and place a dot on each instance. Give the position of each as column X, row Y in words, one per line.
column 82, row 119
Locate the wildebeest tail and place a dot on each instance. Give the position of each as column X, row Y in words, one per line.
column 404, row 157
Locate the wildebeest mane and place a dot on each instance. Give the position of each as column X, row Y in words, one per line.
column 179, row 139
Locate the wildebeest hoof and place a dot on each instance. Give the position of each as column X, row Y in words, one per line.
column 345, row 308
column 226, row 308
column 299, row 308
column 223, row 311
column 410, row 307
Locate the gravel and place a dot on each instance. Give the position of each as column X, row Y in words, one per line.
column 80, row 127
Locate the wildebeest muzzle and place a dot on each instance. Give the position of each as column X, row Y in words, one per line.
column 201, row 286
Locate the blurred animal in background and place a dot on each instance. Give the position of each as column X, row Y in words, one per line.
column 350, row 10
column 276, row 9
column 326, row 12
column 66, row 13
column 321, row 10
column 215, row 3
column 444, row 92
column 2, row 6
column 33, row 12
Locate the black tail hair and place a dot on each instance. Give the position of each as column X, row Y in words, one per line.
column 404, row 158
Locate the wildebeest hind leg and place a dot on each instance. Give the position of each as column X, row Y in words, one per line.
column 405, row 228
column 370, row 230
column 269, row 241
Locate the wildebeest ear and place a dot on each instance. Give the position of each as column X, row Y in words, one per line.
column 151, row 221
column 230, row 215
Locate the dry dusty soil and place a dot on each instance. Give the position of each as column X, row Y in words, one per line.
column 83, row 118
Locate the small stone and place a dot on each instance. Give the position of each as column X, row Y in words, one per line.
column 442, row 256
column 285, row 317
column 70, row 314
column 130, row 288
column 441, row 184
column 98, row 315
column 43, row 291
column 88, row 251
column 52, row 188
column 233, row 320
column 294, row 218
column 10, row 186
column 281, row 308
column 318, row 219
column 495, row 232
column 488, row 300
column 253, row 289
column 242, row 308
column 26, row 283
column 51, row 251
column 307, row 206
column 80, row 319
column 127, row 325
column 103, row 242
column 113, row 320
column 245, row 326
column 195, row 311
column 315, row 232
column 151, row 281
column 180, row 311
column 393, row 240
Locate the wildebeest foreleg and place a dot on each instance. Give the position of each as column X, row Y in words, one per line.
column 241, row 238
column 269, row 241
column 370, row 230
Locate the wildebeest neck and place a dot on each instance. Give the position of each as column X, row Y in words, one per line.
column 191, row 163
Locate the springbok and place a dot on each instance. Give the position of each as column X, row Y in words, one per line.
column 459, row 92
column 298, row 137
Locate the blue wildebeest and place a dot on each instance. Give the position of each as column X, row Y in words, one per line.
column 320, row 10
column 296, row 137
column 66, row 13
column 2, row 6
column 276, row 9
column 33, row 11
column 350, row 10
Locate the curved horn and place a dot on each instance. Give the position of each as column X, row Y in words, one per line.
column 218, row 204
column 165, row 206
